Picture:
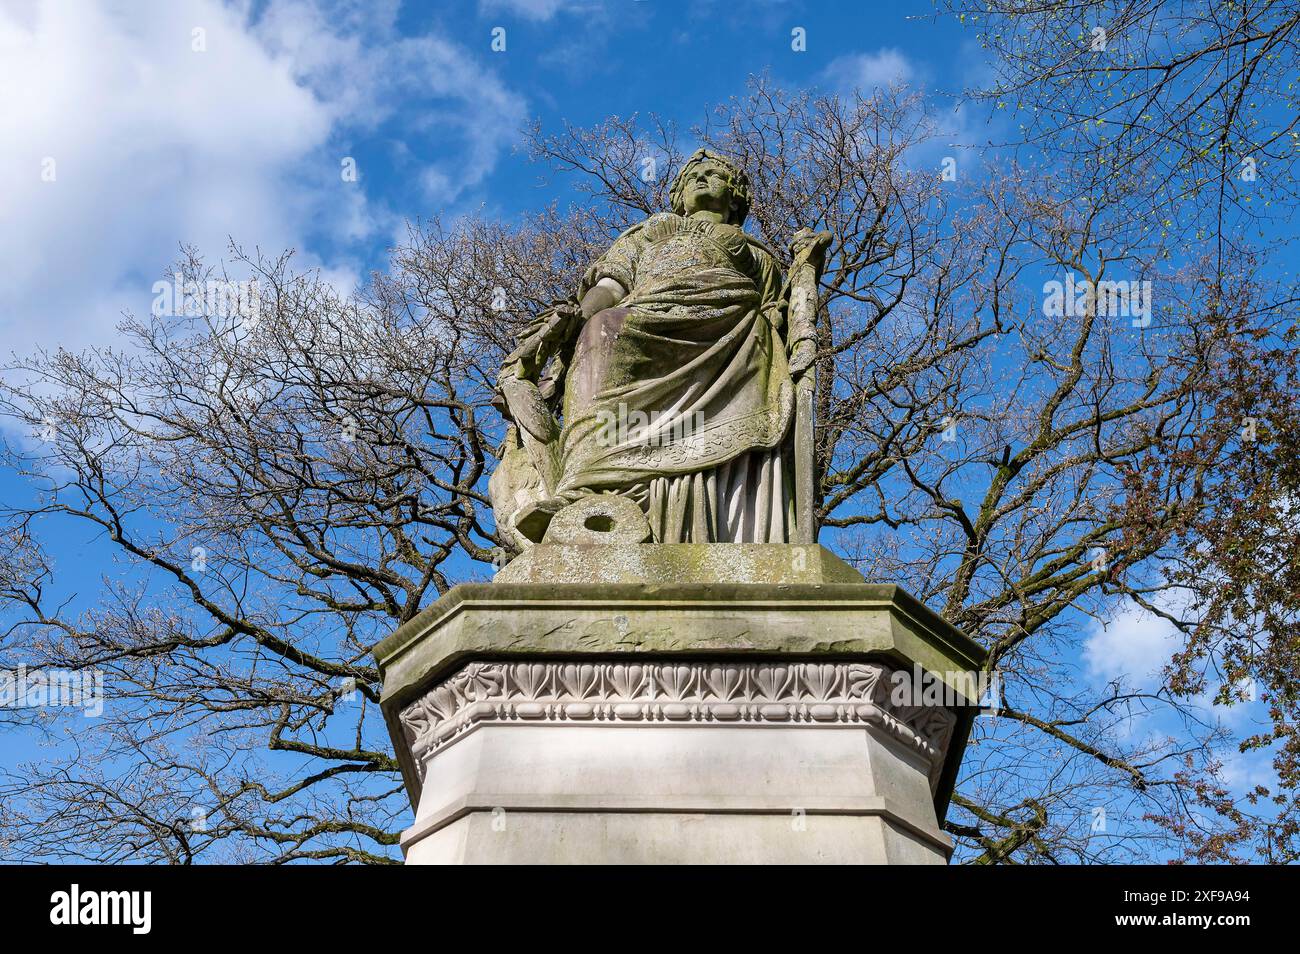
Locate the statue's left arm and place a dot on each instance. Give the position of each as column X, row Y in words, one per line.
column 809, row 250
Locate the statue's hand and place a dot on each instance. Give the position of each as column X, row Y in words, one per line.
column 801, row 358
column 565, row 319
column 546, row 335
column 811, row 245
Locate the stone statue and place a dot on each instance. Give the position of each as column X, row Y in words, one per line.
column 682, row 371
column 669, row 403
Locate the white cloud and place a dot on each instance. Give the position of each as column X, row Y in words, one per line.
column 156, row 143
column 1243, row 771
column 460, row 101
column 1136, row 645
column 881, row 69
column 536, row 10
column 1133, row 644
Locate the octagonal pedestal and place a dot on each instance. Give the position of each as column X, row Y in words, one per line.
column 724, row 703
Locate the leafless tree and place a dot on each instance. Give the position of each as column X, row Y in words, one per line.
column 282, row 493
column 1187, row 113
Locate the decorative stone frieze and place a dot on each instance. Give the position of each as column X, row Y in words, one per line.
column 676, row 693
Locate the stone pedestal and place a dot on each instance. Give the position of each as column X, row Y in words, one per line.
column 698, row 703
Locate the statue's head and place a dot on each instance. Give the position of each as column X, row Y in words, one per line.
column 714, row 182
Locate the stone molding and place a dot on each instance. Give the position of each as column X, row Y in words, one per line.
column 673, row 694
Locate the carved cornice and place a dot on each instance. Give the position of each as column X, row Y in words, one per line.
column 673, row 694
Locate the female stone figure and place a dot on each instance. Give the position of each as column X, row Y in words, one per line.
column 679, row 372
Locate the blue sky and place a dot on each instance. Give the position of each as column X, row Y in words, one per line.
column 200, row 122
column 197, row 121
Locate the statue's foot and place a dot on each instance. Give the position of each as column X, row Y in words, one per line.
column 532, row 520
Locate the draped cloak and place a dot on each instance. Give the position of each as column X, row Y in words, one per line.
column 680, row 398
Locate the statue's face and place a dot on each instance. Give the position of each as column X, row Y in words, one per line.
column 707, row 189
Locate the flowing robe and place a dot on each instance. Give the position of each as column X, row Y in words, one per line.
column 680, row 398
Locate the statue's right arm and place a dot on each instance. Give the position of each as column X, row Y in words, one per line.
column 606, row 293
column 528, row 359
